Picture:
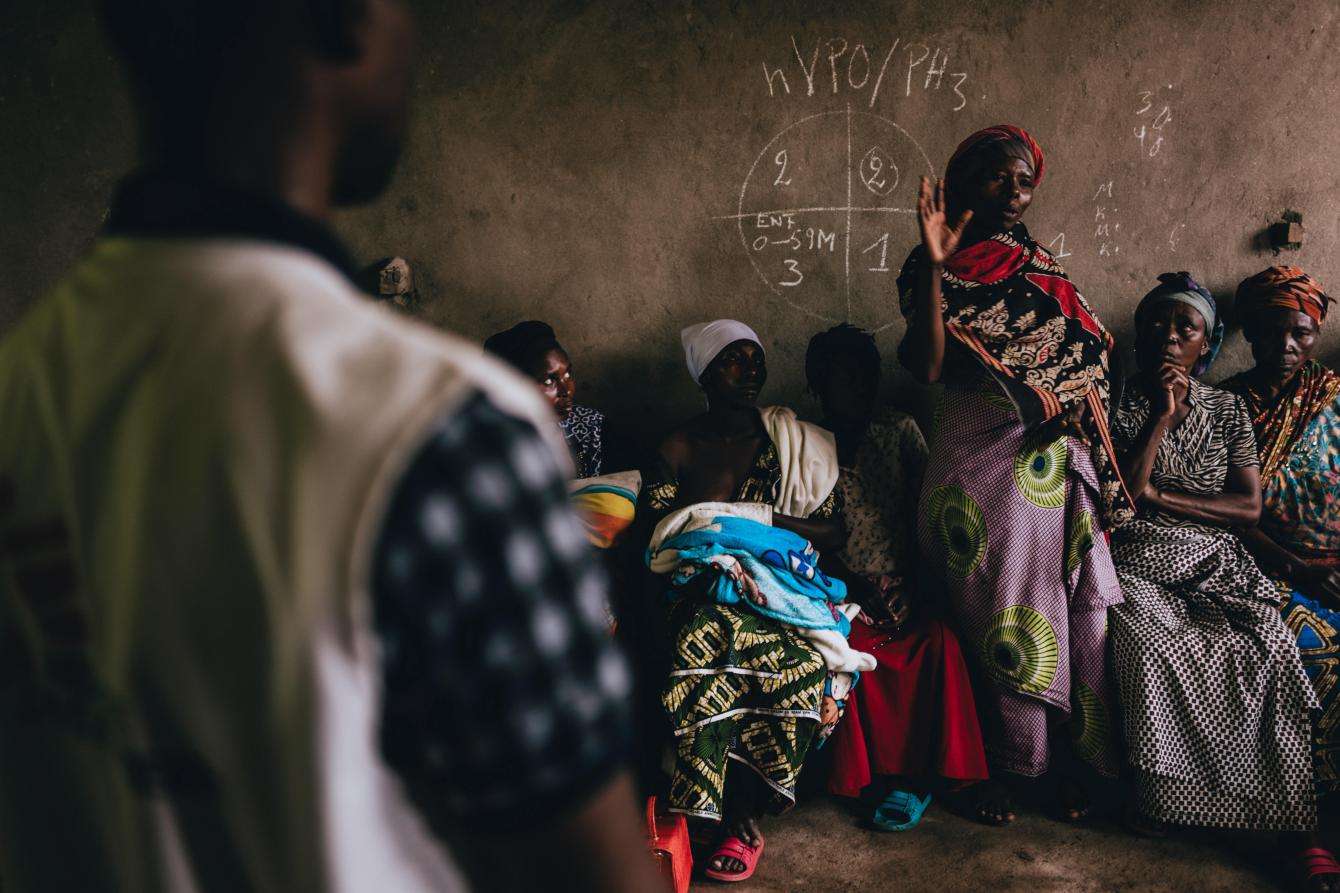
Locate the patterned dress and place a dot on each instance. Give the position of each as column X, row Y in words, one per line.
column 1298, row 437
column 914, row 715
column 584, row 431
column 1012, row 529
column 742, row 687
column 1215, row 703
column 1012, row 532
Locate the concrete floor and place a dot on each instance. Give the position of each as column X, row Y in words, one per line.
column 822, row 846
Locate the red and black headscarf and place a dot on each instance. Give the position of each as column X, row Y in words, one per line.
column 1009, row 304
column 988, row 144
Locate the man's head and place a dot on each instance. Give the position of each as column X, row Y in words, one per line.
column 209, row 75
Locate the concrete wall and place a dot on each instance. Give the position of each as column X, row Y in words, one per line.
column 601, row 165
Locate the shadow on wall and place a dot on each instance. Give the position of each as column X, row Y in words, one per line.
column 638, row 416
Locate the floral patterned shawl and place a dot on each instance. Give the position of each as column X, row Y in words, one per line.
column 1298, row 437
column 1010, row 305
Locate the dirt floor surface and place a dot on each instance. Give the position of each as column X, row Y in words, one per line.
column 824, row 845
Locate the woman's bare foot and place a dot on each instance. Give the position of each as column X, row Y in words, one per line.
column 1145, row 826
column 1072, row 799
column 747, row 829
column 993, row 803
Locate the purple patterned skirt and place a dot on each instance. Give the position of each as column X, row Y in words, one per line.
column 1012, row 534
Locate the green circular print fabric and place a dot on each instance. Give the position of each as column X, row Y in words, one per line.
column 1040, row 474
column 998, row 400
column 1079, row 541
column 1020, row 650
column 1090, row 724
column 961, row 527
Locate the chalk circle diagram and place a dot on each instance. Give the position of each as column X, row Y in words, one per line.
column 827, row 214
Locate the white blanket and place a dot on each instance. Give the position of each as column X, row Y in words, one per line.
column 808, row 456
column 696, row 517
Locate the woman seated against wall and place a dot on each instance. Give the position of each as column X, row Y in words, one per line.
column 911, row 724
column 1294, row 405
column 533, row 349
column 1215, row 703
column 745, row 690
column 1021, row 481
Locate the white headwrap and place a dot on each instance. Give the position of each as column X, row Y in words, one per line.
column 703, row 341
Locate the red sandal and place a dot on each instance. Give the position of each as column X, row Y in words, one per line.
column 1317, row 862
column 735, row 848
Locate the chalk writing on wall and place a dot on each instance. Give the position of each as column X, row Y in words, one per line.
column 1057, row 247
column 1106, row 221
column 839, row 66
column 1175, row 235
column 1152, row 119
column 827, row 211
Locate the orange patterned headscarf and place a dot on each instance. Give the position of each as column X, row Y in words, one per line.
column 1284, row 287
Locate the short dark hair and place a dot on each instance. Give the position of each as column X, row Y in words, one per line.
column 843, row 339
column 522, row 342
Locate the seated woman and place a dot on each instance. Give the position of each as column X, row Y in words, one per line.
column 744, row 691
column 533, row 349
column 1294, row 404
column 1216, row 706
column 912, row 721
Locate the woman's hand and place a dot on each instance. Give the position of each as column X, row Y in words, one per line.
column 938, row 238
column 894, row 597
column 1175, row 384
column 1068, row 424
column 1315, row 579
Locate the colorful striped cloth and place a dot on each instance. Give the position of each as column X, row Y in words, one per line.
column 606, row 505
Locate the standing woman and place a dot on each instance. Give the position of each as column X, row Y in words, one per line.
column 1022, row 480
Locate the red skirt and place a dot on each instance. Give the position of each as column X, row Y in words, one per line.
column 913, row 716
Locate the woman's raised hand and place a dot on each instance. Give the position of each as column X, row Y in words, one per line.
column 938, row 238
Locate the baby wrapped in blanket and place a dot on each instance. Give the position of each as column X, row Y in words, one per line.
column 773, row 571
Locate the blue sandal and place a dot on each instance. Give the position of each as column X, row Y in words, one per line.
column 900, row 803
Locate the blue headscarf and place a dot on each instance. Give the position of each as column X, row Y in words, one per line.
column 1181, row 288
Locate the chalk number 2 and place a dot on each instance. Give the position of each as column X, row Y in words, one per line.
column 780, row 160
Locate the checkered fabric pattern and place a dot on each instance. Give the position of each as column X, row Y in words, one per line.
column 505, row 697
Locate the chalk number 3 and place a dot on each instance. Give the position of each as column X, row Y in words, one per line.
column 792, row 267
